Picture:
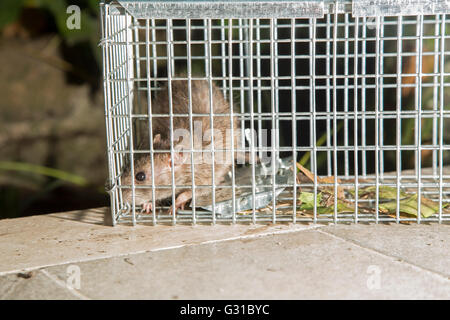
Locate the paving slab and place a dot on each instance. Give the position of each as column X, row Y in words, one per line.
column 31, row 286
column 45, row 240
column 282, row 261
column 424, row 245
column 301, row 265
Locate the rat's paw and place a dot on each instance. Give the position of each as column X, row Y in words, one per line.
column 146, row 207
column 172, row 211
column 180, row 202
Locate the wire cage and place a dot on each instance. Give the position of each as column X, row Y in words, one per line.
column 335, row 111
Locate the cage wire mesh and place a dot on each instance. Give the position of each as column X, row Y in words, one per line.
column 344, row 108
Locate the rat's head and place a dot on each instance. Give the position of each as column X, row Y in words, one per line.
column 162, row 173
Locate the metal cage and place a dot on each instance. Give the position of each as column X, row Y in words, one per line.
column 344, row 106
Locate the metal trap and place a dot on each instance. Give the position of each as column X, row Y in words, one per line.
column 339, row 111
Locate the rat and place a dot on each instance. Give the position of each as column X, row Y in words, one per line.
column 163, row 163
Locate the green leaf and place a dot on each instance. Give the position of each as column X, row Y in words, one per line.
column 409, row 206
column 307, row 200
column 384, row 192
column 307, row 203
column 341, row 208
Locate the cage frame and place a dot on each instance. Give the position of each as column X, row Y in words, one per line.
column 362, row 11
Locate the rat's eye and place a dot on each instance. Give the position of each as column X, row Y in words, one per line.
column 140, row 176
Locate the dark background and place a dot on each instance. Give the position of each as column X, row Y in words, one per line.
column 52, row 127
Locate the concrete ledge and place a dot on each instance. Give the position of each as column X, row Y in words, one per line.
column 220, row 262
column 45, row 240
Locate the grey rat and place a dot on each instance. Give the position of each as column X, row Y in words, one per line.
column 181, row 162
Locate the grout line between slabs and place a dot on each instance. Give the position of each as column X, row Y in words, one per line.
column 10, row 290
column 441, row 277
column 249, row 236
column 63, row 285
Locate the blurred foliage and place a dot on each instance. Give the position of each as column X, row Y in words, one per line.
column 50, row 172
column 57, row 10
column 16, row 201
column 33, row 188
column 10, row 12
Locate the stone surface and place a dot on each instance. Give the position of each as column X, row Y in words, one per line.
column 31, row 286
column 51, row 239
column 300, row 265
column 423, row 245
column 220, row 262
